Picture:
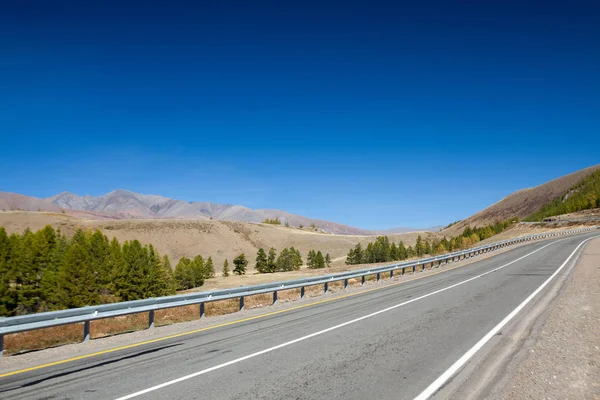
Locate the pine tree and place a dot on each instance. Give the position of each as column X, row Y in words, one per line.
column 131, row 281
column 261, row 261
column 184, row 275
column 27, row 273
column 159, row 281
column 99, row 258
column 310, row 259
column 394, row 254
column 77, row 280
column 225, row 268
column 327, row 260
column 427, row 248
column 210, row 267
column 167, row 272
column 402, row 252
column 50, row 285
column 419, row 246
column 240, row 263
column 272, row 260
column 5, row 274
column 297, row 258
column 320, row 260
column 198, row 269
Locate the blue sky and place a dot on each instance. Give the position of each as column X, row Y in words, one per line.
column 372, row 114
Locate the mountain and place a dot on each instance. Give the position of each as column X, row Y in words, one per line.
column 523, row 202
column 14, row 201
column 124, row 204
column 406, row 230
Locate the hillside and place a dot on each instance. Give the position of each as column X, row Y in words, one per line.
column 219, row 239
column 523, row 202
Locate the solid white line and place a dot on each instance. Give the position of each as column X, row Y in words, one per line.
column 439, row 382
column 300, row 339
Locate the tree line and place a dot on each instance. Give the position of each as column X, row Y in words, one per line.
column 383, row 250
column 45, row 271
column 289, row 259
column 582, row 196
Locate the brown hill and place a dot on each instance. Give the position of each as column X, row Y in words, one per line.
column 521, row 203
column 219, row 239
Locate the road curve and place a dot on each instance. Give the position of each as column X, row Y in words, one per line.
column 390, row 343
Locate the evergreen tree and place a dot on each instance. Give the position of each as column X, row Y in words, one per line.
column 210, row 267
column 240, row 263
column 27, row 273
column 50, row 283
column 327, row 260
column 319, row 260
column 131, row 283
column 184, row 274
column 394, row 254
column 297, row 257
column 5, row 275
column 419, row 247
column 402, row 252
column 77, row 280
column 310, row 259
column 262, row 265
column 427, row 248
column 272, row 260
column 99, row 258
column 225, row 268
column 198, row 270
column 159, row 279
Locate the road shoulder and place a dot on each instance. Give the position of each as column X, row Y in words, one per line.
column 564, row 363
column 551, row 352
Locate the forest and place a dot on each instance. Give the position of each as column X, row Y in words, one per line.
column 45, row 270
column 383, row 250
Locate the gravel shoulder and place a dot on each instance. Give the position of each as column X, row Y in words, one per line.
column 564, row 362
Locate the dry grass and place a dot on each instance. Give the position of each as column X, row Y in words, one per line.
column 113, row 326
column 43, row 338
column 170, row 316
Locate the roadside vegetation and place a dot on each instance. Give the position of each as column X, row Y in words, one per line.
column 383, row 250
column 46, row 271
column 582, row 196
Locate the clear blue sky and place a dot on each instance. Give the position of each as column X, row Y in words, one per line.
column 374, row 114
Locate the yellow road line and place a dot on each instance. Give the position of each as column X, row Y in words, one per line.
column 239, row 321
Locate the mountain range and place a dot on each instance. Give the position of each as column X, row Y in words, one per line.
column 124, row 204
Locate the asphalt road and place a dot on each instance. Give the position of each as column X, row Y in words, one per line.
column 339, row 349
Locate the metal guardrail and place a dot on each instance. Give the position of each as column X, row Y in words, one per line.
column 85, row 315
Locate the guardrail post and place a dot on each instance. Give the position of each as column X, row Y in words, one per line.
column 378, row 276
column 402, row 273
column 302, row 292
column 201, row 310
column 241, row 303
column 1, row 345
column 150, row 319
column 391, row 273
column 325, row 287
column 362, row 281
column 275, row 297
column 345, row 283
column 86, row 331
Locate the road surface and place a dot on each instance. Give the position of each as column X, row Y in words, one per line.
column 390, row 343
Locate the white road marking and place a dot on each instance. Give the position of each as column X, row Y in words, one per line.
column 300, row 339
column 439, row 382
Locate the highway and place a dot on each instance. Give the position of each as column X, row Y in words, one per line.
column 389, row 343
